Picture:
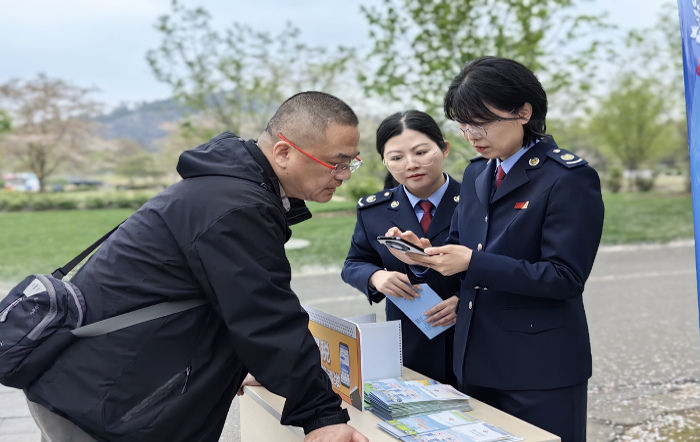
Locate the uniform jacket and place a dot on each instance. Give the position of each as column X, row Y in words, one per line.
column 521, row 322
column 218, row 234
column 375, row 215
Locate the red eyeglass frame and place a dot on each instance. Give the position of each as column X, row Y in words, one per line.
column 321, row 162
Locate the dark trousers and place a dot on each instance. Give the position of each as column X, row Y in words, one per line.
column 55, row 428
column 561, row 411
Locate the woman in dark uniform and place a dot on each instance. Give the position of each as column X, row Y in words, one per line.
column 413, row 149
column 521, row 248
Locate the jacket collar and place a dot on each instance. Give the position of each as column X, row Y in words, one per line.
column 297, row 211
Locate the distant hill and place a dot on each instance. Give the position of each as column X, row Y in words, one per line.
column 142, row 123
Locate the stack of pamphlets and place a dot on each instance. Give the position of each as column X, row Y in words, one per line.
column 446, row 426
column 394, row 398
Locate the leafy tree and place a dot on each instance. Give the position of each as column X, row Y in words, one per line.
column 51, row 125
column 237, row 77
column 5, row 122
column 5, row 126
column 631, row 123
column 647, row 87
column 575, row 134
column 420, row 45
column 141, row 164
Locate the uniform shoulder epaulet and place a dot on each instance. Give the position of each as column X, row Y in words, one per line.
column 566, row 158
column 477, row 158
column 373, row 199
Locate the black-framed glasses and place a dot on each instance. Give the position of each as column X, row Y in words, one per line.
column 353, row 165
column 397, row 163
column 479, row 132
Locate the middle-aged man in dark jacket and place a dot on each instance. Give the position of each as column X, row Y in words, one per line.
column 218, row 234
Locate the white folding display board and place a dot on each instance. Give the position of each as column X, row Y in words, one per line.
column 355, row 350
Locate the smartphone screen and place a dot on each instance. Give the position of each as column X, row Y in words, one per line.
column 400, row 244
column 344, row 365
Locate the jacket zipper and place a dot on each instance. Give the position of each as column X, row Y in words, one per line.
column 187, row 378
column 6, row 311
column 53, row 309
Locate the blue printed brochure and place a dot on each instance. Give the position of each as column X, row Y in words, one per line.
column 415, row 310
column 391, row 399
column 424, row 423
column 476, row 432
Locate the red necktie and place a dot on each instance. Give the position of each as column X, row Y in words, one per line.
column 500, row 174
column 427, row 206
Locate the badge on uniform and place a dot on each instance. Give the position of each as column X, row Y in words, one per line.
column 522, row 206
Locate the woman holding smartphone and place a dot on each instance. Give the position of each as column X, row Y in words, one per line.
column 413, row 149
column 520, row 250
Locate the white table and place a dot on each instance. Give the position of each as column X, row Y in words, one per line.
column 261, row 412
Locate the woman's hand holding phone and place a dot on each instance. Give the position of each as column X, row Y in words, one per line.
column 447, row 260
column 407, row 256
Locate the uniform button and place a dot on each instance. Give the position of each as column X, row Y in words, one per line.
column 476, row 287
column 484, row 288
column 479, row 247
column 486, row 219
column 471, row 304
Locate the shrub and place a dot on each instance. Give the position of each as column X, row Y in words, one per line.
column 140, row 200
column 615, row 180
column 645, row 184
column 16, row 201
column 357, row 188
column 15, row 204
column 66, row 203
column 41, row 202
column 96, row 202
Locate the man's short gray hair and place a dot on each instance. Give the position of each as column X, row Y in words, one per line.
column 307, row 115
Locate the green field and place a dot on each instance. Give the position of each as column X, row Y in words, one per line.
column 38, row 242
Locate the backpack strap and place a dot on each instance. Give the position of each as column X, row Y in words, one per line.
column 126, row 319
column 61, row 272
column 136, row 317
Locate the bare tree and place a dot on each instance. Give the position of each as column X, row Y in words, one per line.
column 238, row 76
column 50, row 125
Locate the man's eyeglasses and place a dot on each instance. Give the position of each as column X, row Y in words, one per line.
column 335, row 168
column 479, row 132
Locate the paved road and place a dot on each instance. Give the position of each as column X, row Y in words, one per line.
column 642, row 310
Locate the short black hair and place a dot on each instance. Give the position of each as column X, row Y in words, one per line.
column 395, row 124
column 500, row 83
column 307, row 115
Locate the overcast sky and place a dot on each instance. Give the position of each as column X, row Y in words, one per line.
column 103, row 43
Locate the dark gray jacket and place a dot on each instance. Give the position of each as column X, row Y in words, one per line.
column 218, row 234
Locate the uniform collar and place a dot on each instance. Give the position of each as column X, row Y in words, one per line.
column 435, row 198
column 510, row 161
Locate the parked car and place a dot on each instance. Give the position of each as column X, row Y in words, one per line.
column 21, row 182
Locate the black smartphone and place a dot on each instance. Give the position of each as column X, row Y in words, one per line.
column 400, row 244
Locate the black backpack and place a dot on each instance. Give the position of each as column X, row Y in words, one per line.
column 43, row 314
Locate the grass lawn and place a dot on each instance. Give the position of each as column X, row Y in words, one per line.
column 647, row 217
column 38, row 242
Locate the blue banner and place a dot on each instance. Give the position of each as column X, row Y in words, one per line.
column 689, row 14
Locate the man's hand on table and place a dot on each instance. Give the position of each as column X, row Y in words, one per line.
column 335, row 433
